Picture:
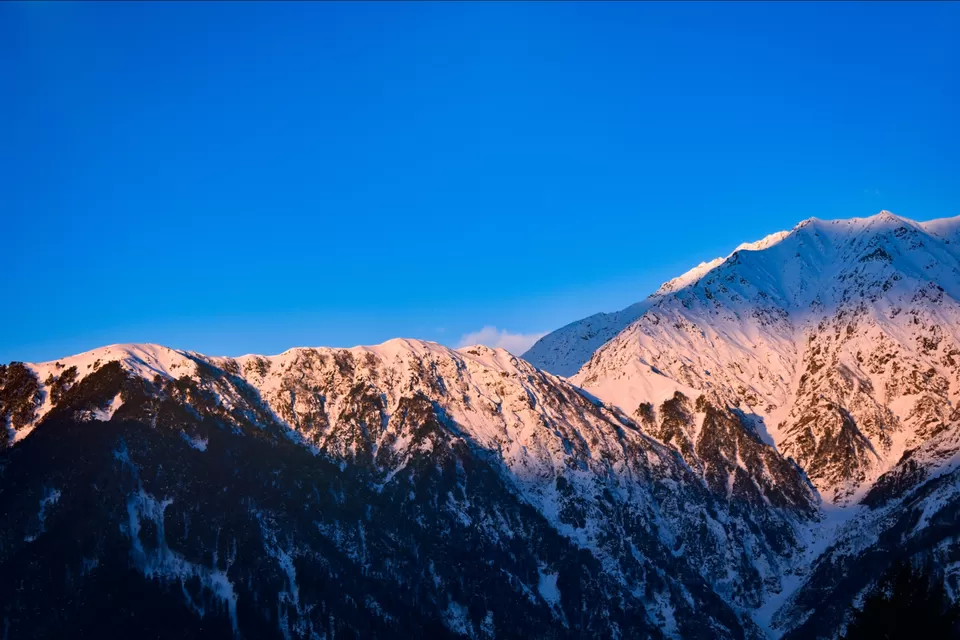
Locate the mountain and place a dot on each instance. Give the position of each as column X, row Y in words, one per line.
column 740, row 455
column 839, row 341
column 405, row 489
column 841, row 337
column 565, row 350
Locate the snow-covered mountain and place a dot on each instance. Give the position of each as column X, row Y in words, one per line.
column 737, row 456
column 840, row 341
column 487, row 489
column 565, row 350
column 841, row 336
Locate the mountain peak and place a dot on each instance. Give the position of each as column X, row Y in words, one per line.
column 860, row 311
column 888, row 217
column 806, row 222
column 711, row 420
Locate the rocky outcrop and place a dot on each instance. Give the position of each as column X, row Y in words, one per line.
column 837, row 345
column 405, row 489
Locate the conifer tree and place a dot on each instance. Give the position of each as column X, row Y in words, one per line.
column 909, row 602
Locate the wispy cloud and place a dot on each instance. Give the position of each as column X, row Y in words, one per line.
column 515, row 343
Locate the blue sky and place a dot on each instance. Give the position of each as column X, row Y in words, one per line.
column 235, row 178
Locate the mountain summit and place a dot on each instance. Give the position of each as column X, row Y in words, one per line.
column 840, row 336
column 740, row 455
column 840, row 342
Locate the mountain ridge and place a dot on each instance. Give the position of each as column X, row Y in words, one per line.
column 840, row 341
column 566, row 349
column 550, row 446
column 738, row 461
column 762, row 312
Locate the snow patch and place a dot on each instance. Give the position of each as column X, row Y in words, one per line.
column 547, row 587
column 51, row 497
column 161, row 561
column 456, row 617
column 198, row 443
column 104, row 414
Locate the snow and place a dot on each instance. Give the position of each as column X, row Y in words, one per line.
column 635, row 382
column 946, row 228
column 198, row 443
column 691, row 276
column 865, row 295
column 763, row 243
column 565, row 350
column 488, row 627
column 818, row 538
column 457, row 618
column 143, row 360
column 547, row 587
column 169, row 564
column 537, row 427
column 106, row 413
column 22, row 433
column 779, row 327
column 289, row 598
column 51, row 497
column 740, row 330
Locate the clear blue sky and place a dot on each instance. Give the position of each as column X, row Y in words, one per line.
column 243, row 177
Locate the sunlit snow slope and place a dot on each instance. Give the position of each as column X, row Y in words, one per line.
column 839, row 341
column 843, row 336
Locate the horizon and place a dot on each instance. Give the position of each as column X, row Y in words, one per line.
column 463, row 344
column 248, row 178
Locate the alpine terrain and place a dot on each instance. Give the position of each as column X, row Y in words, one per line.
column 740, row 455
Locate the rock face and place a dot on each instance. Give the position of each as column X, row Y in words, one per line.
column 399, row 490
column 843, row 337
column 839, row 342
column 738, row 456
